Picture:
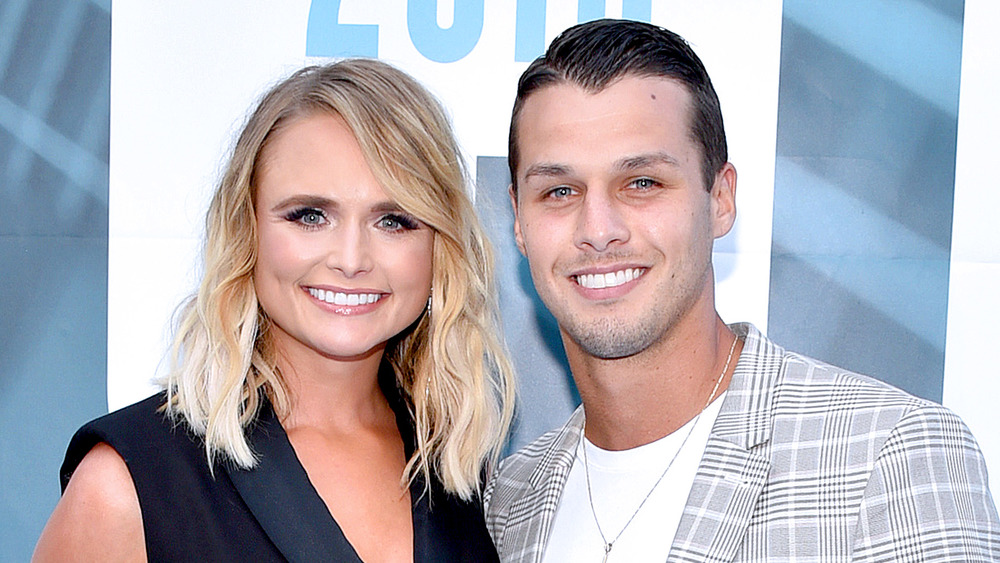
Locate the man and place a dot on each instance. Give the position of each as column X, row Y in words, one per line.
column 696, row 441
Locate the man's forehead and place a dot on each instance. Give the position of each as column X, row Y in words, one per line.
column 567, row 84
column 566, row 105
column 545, row 110
column 544, row 104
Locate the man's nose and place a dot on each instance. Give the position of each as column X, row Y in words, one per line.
column 601, row 223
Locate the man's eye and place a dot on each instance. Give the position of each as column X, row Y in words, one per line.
column 644, row 183
column 561, row 192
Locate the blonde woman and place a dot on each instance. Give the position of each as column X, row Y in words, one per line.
column 338, row 389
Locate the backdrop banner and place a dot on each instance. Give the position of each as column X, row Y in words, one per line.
column 864, row 235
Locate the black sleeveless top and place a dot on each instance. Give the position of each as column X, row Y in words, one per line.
column 268, row 513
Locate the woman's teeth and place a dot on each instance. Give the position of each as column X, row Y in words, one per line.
column 338, row 298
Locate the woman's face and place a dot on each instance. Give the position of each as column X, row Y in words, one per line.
column 341, row 268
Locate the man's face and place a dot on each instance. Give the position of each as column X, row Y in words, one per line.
column 612, row 214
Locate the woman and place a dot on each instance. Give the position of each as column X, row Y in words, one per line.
column 337, row 386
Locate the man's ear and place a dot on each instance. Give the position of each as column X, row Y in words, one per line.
column 517, row 220
column 723, row 200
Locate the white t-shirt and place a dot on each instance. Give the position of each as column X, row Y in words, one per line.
column 619, row 481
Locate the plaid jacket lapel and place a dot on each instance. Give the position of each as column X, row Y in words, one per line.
column 530, row 498
column 731, row 474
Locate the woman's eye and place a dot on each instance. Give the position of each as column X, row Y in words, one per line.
column 396, row 222
column 307, row 216
column 312, row 218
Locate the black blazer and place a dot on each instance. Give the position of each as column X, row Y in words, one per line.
column 268, row 513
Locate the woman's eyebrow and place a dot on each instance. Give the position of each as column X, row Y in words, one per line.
column 387, row 207
column 305, row 201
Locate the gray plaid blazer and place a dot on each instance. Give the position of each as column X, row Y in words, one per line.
column 806, row 462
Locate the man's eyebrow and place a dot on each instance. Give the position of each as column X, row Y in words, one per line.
column 634, row 162
column 547, row 170
column 646, row 159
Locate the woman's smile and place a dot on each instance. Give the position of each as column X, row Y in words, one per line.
column 347, row 302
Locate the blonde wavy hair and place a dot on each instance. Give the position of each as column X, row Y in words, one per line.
column 450, row 366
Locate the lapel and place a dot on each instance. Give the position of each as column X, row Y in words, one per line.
column 278, row 493
column 286, row 505
column 545, row 487
column 733, row 469
column 426, row 535
column 429, row 540
column 559, row 456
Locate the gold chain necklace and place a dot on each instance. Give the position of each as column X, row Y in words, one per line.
column 586, row 466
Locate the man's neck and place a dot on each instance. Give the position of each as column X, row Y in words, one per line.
column 636, row 400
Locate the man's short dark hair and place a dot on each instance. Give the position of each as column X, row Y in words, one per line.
column 594, row 54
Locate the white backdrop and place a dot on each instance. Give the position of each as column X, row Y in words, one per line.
column 184, row 74
column 971, row 371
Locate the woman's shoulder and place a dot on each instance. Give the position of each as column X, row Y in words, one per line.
column 140, row 428
column 143, row 413
column 100, row 501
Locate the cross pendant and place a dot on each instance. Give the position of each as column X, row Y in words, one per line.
column 607, row 551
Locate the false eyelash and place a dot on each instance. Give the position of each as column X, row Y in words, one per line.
column 296, row 215
column 406, row 222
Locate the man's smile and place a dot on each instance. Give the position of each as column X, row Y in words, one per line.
column 608, row 279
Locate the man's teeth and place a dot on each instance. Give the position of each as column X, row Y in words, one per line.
column 610, row 279
column 349, row 299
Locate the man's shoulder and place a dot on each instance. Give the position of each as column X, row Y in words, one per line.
column 799, row 381
column 810, row 383
column 815, row 400
column 803, row 395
